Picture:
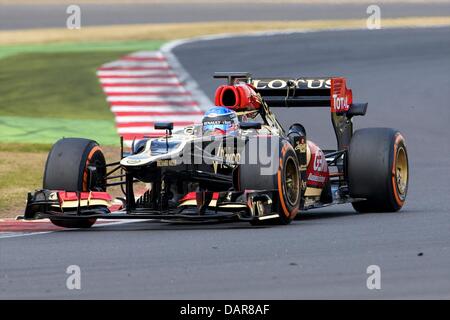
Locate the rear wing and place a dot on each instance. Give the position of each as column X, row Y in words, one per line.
column 286, row 92
column 309, row 92
column 330, row 92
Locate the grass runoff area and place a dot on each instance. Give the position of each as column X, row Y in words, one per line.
column 48, row 92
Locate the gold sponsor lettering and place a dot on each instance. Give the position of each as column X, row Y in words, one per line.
column 166, row 163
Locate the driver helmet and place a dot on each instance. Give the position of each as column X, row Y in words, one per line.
column 219, row 120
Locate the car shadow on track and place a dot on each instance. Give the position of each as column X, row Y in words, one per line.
column 168, row 226
column 324, row 215
column 192, row 226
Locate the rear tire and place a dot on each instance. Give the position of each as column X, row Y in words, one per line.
column 66, row 169
column 378, row 170
column 285, row 180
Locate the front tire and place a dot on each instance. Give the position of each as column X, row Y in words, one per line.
column 67, row 169
column 285, row 180
column 378, row 170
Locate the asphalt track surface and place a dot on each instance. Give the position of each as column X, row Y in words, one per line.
column 403, row 74
column 54, row 16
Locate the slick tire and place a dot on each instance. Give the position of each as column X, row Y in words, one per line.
column 66, row 169
column 284, row 178
column 378, row 170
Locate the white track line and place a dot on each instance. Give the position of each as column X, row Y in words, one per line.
column 105, row 223
column 15, row 234
column 131, row 64
column 167, row 99
column 173, row 118
column 148, row 109
column 144, row 130
column 131, row 73
column 151, row 89
column 168, row 80
column 146, row 54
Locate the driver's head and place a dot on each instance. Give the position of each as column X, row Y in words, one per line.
column 219, row 120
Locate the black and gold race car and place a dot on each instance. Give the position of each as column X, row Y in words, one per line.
column 260, row 172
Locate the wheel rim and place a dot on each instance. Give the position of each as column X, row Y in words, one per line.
column 291, row 182
column 95, row 159
column 401, row 171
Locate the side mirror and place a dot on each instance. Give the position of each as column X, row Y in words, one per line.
column 249, row 125
column 164, row 125
column 168, row 126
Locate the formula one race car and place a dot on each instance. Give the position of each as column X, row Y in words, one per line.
column 236, row 165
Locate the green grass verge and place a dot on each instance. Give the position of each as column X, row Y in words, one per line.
column 105, row 46
column 50, row 91
column 25, row 147
column 21, row 170
column 54, row 85
column 48, row 130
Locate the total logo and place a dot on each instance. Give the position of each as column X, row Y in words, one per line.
column 340, row 103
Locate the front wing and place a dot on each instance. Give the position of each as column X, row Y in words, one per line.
column 229, row 205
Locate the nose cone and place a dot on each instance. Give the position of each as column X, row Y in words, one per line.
column 136, row 160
